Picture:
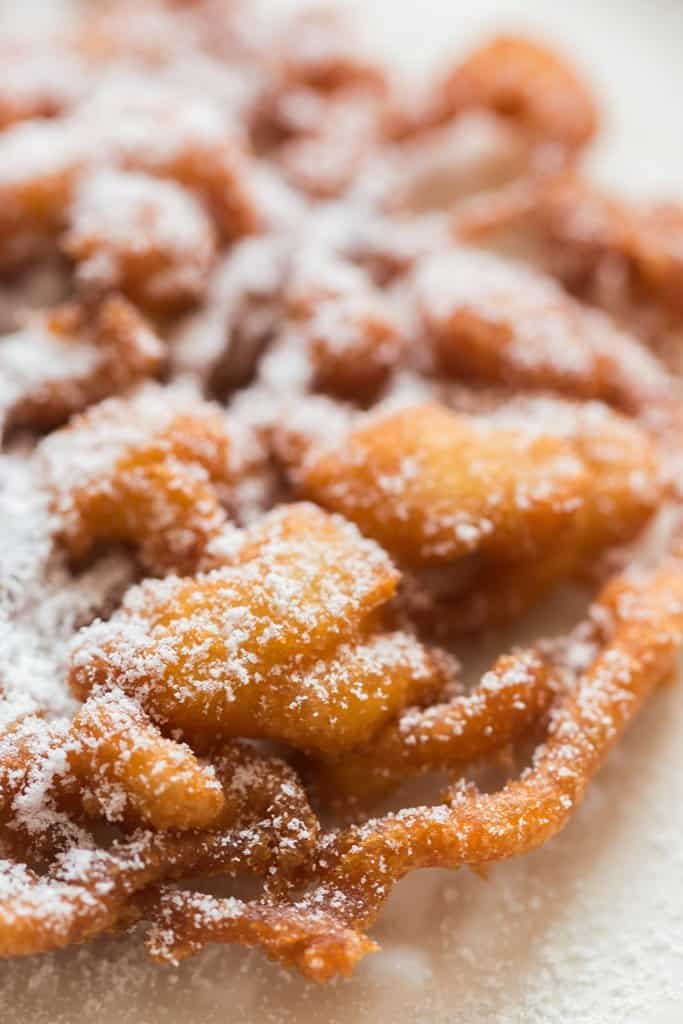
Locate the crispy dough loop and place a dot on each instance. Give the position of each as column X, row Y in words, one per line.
column 647, row 627
column 496, row 322
column 358, row 867
column 482, row 500
column 304, row 595
column 145, row 237
column 137, row 471
column 507, row 700
column 526, row 82
column 90, row 891
column 61, row 362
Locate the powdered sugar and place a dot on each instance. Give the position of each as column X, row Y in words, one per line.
column 34, row 356
column 35, row 151
column 41, row 605
column 41, row 624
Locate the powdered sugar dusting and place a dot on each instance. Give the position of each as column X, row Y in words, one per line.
column 119, row 218
column 41, row 605
column 171, row 129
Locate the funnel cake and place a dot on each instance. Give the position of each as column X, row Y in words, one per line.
column 143, row 474
column 483, row 501
column 524, row 82
column 323, row 932
column 293, row 435
column 498, row 323
column 302, row 594
column 60, row 362
column 624, row 257
column 148, row 238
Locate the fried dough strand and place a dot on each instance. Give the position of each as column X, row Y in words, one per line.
column 316, row 942
column 116, row 752
column 295, row 311
column 64, row 361
column 40, row 166
column 147, row 238
column 471, row 507
column 353, row 339
column 510, row 697
column 170, row 132
column 129, row 124
column 90, row 891
column 497, row 322
column 433, row 486
column 110, row 763
column 264, row 647
column 523, row 81
column 143, row 472
column 618, row 255
column 358, row 867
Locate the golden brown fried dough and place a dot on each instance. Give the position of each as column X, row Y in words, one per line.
column 109, row 763
column 616, row 254
column 90, row 891
column 128, row 771
column 434, row 486
column 526, row 82
column 497, row 322
column 142, row 474
column 64, row 361
column 158, row 129
column 39, row 165
column 358, row 867
column 148, row 238
column 348, row 333
column 281, row 644
column 483, row 500
column 443, row 736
